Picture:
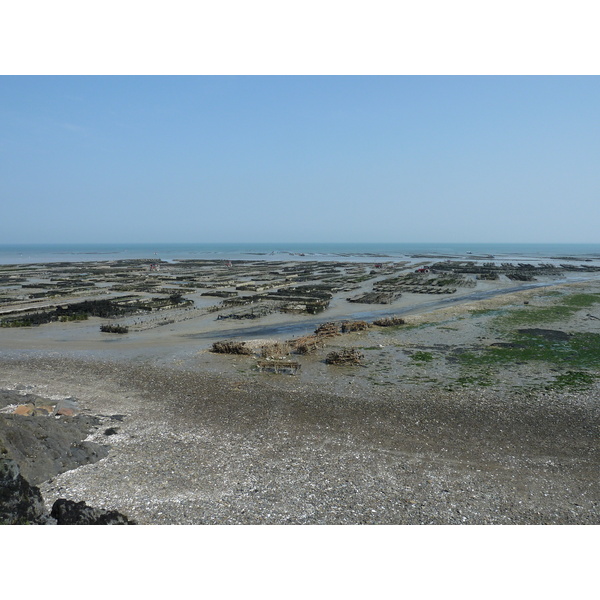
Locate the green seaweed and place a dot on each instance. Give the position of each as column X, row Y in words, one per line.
column 534, row 315
column 421, row 356
column 573, row 379
column 580, row 349
column 479, row 379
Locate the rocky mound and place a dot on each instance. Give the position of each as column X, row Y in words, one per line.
column 45, row 436
column 40, row 438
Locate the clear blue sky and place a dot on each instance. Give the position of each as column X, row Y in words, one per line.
column 299, row 159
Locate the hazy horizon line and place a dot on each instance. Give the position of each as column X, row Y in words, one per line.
column 280, row 242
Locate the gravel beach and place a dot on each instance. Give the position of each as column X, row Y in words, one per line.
column 194, row 448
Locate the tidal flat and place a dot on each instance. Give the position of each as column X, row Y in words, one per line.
column 479, row 404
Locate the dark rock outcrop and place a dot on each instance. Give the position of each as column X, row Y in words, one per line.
column 20, row 502
column 23, row 504
column 67, row 512
column 44, row 446
column 40, row 439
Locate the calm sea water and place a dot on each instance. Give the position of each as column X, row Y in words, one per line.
column 36, row 253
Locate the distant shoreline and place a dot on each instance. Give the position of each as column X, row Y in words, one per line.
column 353, row 252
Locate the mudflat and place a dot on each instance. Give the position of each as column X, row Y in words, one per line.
column 480, row 407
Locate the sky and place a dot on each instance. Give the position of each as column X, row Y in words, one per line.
column 370, row 158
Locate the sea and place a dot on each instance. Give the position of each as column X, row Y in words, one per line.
column 348, row 252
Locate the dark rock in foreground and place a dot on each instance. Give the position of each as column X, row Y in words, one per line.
column 67, row 512
column 23, row 504
column 44, row 446
column 20, row 503
column 34, row 449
